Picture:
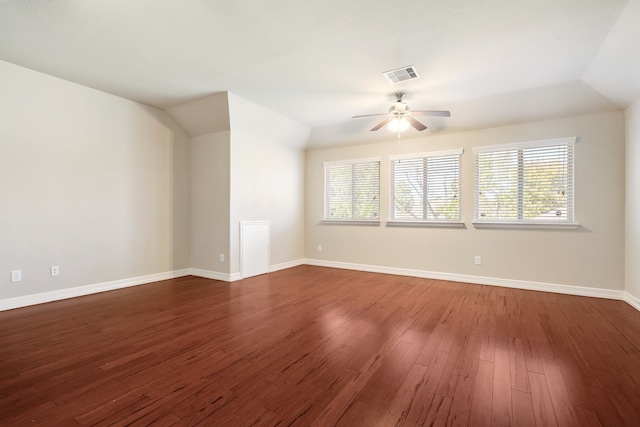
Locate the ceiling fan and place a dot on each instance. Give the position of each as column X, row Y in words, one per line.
column 401, row 117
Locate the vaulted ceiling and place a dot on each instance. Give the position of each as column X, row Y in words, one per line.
column 489, row 62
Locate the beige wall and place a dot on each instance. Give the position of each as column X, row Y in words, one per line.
column 251, row 170
column 91, row 182
column 210, row 201
column 109, row 189
column 268, row 184
column 267, row 179
column 592, row 256
column 632, row 277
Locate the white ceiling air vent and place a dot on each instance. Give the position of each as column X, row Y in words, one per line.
column 401, row 74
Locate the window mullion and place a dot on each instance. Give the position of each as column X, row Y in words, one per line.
column 353, row 191
column 520, row 180
column 425, row 199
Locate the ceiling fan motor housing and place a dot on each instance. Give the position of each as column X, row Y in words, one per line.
column 399, row 109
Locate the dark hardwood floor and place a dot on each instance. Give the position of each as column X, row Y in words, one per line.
column 323, row 347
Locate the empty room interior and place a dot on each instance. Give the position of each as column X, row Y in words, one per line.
column 357, row 213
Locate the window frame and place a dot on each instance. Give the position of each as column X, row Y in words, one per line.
column 458, row 222
column 352, row 220
column 569, row 223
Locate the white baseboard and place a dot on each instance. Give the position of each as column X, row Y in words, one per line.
column 226, row 277
column 481, row 280
column 215, row 275
column 27, row 300
column 285, row 265
column 632, row 300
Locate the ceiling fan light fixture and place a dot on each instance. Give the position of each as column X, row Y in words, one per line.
column 398, row 125
column 400, row 117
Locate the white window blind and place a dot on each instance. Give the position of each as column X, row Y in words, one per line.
column 426, row 187
column 525, row 183
column 352, row 190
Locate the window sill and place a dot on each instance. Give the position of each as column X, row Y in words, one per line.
column 370, row 222
column 450, row 224
column 523, row 225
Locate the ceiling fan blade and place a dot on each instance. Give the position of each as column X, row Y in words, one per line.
column 381, row 124
column 369, row 115
column 416, row 124
column 432, row 113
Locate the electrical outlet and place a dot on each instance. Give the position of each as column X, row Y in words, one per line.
column 55, row 270
column 319, row 248
column 478, row 260
column 16, row 275
column 221, row 257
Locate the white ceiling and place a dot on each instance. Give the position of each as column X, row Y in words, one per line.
column 490, row 62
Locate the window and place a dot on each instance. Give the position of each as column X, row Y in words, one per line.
column 525, row 184
column 352, row 190
column 425, row 188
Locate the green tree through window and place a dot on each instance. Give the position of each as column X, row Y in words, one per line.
column 426, row 188
column 352, row 190
column 526, row 183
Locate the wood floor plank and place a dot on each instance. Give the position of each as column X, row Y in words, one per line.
column 518, row 364
column 426, row 400
column 541, row 400
column 562, row 404
column 532, row 354
column 43, row 414
column 432, row 344
column 451, row 371
column 483, row 395
column 488, row 347
column 627, row 403
column 438, row 412
column 587, row 417
column 502, row 383
column 358, row 414
column 470, row 357
column 522, row 409
column 345, row 398
column 460, row 410
column 499, row 420
column 398, row 411
column 605, row 408
column 321, row 346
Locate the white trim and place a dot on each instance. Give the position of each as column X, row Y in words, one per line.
column 215, row 275
column 526, row 224
column 78, row 291
column 351, row 221
column 454, row 152
column 351, row 162
column 256, row 222
column 41, row 298
column 243, row 225
column 527, row 144
column 632, row 300
column 478, row 280
column 451, row 224
column 234, row 277
column 285, row 265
